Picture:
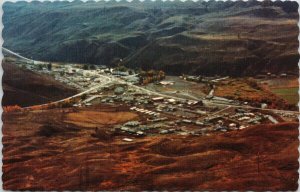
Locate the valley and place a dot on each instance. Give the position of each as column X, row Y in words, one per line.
column 149, row 135
column 135, row 96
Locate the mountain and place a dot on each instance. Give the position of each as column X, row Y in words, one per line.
column 226, row 38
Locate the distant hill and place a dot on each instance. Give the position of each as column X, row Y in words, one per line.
column 227, row 38
column 25, row 88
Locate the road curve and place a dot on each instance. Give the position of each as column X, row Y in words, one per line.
column 117, row 80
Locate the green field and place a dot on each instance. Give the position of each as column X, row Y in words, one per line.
column 289, row 94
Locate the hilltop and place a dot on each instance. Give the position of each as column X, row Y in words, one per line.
column 225, row 38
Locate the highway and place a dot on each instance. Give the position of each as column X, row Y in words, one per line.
column 71, row 97
column 19, row 56
column 112, row 79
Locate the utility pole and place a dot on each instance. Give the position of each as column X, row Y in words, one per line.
column 87, row 173
column 258, row 170
column 80, row 178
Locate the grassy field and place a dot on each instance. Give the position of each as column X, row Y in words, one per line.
column 289, row 94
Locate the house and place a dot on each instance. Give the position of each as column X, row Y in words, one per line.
column 133, row 79
column 283, row 75
column 171, row 100
column 186, row 121
column 167, row 82
column 221, row 128
column 192, row 102
column 101, row 66
column 199, row 123
column 132, row 123
column 260, row 76
column 157, row 99
column 264, row 105
column 120, row 73
column 87, row 73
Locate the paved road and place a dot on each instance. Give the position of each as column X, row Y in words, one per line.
column 20, row 56
column 205, row 101
column 71, row 97
column 250, row 107
column 117, row 80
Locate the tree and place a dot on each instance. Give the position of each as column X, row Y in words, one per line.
column 151, row 73
column 122, row 68
column 83, row 97
column 92, row 67
column 161, row 74
column 11, row 108
column 49, row 66
column 40, row 67
column 85, row 67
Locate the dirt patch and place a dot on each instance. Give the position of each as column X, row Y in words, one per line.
column 54, row 129
column 94, row 118
column 250, row 91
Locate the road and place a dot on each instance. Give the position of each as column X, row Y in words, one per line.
column 250, row 107
column 71, row 97
column 111, row 79
column 19, row 56
column 207, row 102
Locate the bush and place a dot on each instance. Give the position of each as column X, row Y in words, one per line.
column 83, row 97
column 11, row 108
column 92, row 67
column 49, row 66
column 85, row 67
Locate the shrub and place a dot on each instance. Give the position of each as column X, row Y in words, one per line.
column 11, row 108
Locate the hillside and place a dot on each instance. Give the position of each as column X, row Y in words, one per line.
column 25, row 88
column 57, row 152
column 227, row 38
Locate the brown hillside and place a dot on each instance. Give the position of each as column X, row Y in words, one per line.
column 66, row 157
column 24, row 88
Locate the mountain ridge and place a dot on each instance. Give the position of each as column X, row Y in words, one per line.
column 227, row 38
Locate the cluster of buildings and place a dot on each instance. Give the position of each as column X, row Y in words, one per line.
column 160, row 113
column 79, row 76
column 268, row 75
column 167, row 115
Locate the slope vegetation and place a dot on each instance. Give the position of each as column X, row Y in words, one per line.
column 48, row 154
column 24, row 88
column 233, row 38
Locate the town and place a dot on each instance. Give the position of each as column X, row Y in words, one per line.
column 168, row 105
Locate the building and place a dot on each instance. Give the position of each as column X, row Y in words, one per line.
column 157, row 99
column 167, row 82
column 120, row 73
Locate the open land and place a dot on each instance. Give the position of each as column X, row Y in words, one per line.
column 286, row 88
column 118, row 134
column 26, row 88
column 59, row 152
column 150, row 95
